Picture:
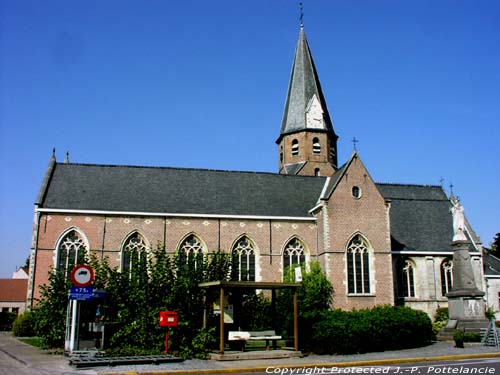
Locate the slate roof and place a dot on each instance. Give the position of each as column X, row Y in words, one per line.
column 178, row 191
column 13, row 290
column 420, row 217
column 294, row 168
column 491, row 264
column 304, row 84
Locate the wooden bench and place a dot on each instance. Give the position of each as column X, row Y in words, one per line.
column 244, row 336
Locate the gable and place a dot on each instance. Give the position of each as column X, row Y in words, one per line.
column 180, row 191
column 353, row 172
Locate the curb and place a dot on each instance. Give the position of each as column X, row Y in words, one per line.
column 375, row 362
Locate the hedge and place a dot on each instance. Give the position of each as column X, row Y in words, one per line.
column 371, row 330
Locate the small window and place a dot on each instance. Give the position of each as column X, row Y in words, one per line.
column 356, row 192
column 295, row 147
column 317, row 172
column 332, row 153
column 316, row 146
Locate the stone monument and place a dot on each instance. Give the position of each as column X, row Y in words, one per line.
column 466, row 306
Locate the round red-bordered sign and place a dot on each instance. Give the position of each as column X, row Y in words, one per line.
column 82, row 275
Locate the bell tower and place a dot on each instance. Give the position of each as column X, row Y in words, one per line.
column 307, row 143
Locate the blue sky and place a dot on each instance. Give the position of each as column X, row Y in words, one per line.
column 203, row 84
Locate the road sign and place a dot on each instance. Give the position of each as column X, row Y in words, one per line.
column 81, row 293
column 82, row 275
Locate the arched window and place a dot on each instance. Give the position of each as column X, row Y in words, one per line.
column 294, row 253
column 358, row 266
column 295, row 147
column 317, row 172
column 406, row 282
column 243, row 260
column 134, row 252
column 191, row 250
column 316, row 146
column 70, row 252
column 446, row 276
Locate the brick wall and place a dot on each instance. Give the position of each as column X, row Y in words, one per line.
column 105, row 235
column 368, row 216
column 305, row 139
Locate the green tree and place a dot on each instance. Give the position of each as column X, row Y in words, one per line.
column 50, row 312
column 495, row 246
column 314, row 296
column 134, row 299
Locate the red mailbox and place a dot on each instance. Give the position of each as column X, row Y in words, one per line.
column 168, row 319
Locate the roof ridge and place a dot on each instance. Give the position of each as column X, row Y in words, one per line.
column 184, row 169
column 413, row 185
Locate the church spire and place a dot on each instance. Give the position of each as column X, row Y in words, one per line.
column 305, row 96
column 306, row 113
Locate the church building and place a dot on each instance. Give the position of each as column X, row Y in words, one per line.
column 377, row 243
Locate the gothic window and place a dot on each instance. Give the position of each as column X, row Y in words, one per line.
column 191, row 251
column 358, row 266
column 243, row 260
column 446, row 276
column 70, row 252
column 316, row 146
column 295, row 147
column 134, row 252
column 406, row 284
column 294, row 254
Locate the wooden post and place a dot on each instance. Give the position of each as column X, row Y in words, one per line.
column 295, row 321
column 221, row 335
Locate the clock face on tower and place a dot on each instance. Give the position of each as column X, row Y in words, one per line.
column 314, row 114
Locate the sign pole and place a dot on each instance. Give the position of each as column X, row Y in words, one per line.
column 74, row 309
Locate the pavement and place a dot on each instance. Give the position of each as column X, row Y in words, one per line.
column 17, row 357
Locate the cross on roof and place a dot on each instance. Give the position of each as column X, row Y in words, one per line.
column 354, row 141
column 301, row 16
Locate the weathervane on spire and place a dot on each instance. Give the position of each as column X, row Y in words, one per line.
column 301, row 16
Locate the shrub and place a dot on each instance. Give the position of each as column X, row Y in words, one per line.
column 23, row 326
column 441, row 314
column 490, row 313
column 472, row 337
column 458, row 337
column 377, row 329
column 6, row 320
column 440, row 319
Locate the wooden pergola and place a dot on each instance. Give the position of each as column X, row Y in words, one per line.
column 222, row 286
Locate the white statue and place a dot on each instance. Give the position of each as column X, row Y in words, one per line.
column 458, row 220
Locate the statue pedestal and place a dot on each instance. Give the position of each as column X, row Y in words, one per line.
column 466, row 306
